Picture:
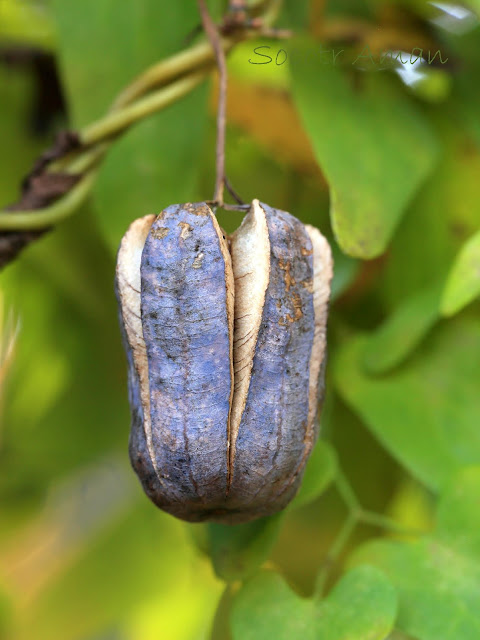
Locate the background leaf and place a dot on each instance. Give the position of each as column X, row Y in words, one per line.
column 373, row 168
column 463, row 284
column 438, row 578
column 16, row 90
column 403, row 330
column 424, row 412
column 147, row 584
column 362, row 606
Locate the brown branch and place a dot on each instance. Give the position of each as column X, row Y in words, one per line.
column 12, row 242
column 215, row 40
column 38, row 190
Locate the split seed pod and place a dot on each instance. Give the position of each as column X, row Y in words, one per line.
column 226, row 341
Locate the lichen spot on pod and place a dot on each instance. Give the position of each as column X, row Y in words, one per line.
column 226, row 341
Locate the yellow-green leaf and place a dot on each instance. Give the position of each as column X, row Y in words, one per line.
column 463, row 284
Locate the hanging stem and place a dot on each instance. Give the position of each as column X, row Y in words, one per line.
column 216, row 42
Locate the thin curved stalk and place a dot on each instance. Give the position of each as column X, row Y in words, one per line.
column 48, row 216
column 117, row 121
column 89, row 158
column 192, row 59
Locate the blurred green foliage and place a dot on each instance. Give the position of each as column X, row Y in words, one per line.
column 386, row 164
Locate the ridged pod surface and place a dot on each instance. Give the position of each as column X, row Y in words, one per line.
column 226, row 342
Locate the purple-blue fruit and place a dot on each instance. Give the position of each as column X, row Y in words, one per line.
column 226, row 341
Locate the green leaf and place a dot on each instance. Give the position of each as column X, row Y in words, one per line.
column 319, row 473
column 362, row 606
column 438, row 577
column 402, row 332
column 426, row 412
column 362, row 9
column 237, row 551
column 273, row 75
column 463, row 284
column 373, row 167
column 221, row 621
column 468, row 96
column 442, row 217
column 431, row 85
column 398, row 635
column 414, row 265
column 103, row 49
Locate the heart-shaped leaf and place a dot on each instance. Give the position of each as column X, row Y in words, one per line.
column 362, row 606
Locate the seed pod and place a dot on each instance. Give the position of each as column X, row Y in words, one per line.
column 226, row 343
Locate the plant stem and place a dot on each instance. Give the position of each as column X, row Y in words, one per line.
column 216, row 43
column 58, row 211
column 193, row 59
column 347, row 494
column 232, row 192
column 88, row 159
column 98, row 137
column 356, row 515
column 383, row 522
column 334, row 553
